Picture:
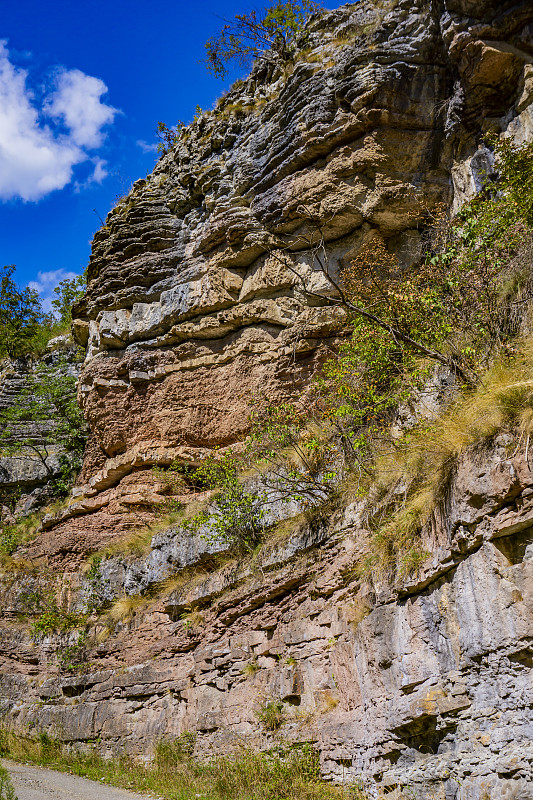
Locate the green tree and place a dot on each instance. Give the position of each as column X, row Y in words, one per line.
column 67, row 291
column 270, row 33
column 21, row 315
column 43, row 416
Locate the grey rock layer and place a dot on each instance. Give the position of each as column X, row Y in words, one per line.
column 426, row 685
column 188, row 315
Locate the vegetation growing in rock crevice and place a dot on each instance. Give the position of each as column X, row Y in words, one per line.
column 468, row 301
column 234, row 516
column 17, row 533
column 462, row 309
column 423, row 460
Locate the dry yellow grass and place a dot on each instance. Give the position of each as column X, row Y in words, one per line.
column 411, row 476
column 125, row 607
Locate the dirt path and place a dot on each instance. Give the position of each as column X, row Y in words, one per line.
column 36, row 783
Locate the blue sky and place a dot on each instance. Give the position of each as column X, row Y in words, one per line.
column 82, row 87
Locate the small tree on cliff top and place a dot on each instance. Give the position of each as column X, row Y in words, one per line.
column 269, row 33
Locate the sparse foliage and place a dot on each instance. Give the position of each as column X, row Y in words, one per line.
column 301, row 457
column 19, row 532
column 462, row 305
column 97, row 588
column 42, row 416
column 49, row 616
column 21, row 316
column 235, row 516
column 455, row 309
column 272, row 715
column 271, row 33
column 73, row 657
column 168, row 137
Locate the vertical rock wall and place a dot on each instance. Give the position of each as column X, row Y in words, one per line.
column 187, row 317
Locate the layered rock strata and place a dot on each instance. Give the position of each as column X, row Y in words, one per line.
column 190, row 311
column 194, row 306
column 426, row 686
column 26, row 473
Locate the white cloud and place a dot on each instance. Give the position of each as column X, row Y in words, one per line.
column 76, row 101
column 146, row 147
column 100, row 171
column 98, row 174
column 46, row 283
column 36, row 157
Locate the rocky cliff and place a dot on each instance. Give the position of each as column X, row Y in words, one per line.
column 190, row 314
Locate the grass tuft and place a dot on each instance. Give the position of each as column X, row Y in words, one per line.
column 125, row 607
column 411, row 478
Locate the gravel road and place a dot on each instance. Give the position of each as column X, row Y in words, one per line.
column 35, row 783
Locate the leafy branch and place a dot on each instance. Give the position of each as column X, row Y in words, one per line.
column 270, row 33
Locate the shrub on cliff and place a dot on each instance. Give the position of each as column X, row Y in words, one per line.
column 235, row 517
column 465, row 307
column 456, row 309
column 447, row 320
column 271, row 33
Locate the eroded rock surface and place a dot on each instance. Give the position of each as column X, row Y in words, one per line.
column 190, row 313
column 427, row 685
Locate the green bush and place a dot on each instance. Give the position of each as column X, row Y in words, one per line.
column 17, row 534
column 272, row 715
column 49, row 616
column 235, row 515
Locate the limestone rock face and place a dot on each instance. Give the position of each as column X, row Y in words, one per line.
column 189, row 313
column 427, row 685
column 203, row 295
